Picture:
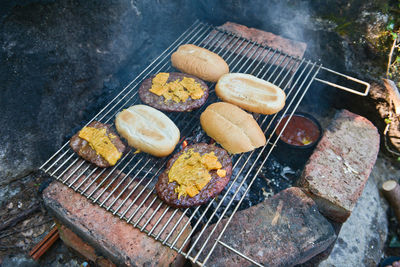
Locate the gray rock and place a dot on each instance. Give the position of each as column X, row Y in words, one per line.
column 20, row 260
column 362, row 236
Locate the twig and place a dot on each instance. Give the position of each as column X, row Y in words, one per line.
column 24, row 229
column 45, row 244
column 20, row 217
column 385, row 141
column 390, row 57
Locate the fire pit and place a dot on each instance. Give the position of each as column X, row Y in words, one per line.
column 127, row 189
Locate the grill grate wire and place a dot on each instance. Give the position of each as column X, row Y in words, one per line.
column 128, row 187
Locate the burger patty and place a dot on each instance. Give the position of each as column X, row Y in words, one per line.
column 166, row 190
column 83, row 149
column 158, row 102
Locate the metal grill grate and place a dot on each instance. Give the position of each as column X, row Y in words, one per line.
column 127, row 189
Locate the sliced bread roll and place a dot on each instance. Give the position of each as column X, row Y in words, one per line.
column 199, row 62
column 233, row 128
column 250, row 93
column 148, row 130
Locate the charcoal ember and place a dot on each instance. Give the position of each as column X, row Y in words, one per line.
column 285, row 230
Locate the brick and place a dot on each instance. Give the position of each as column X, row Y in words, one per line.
column 340, row 165
column 292, row 48
column 81, row 247
column 111, row 237
column 284, row 230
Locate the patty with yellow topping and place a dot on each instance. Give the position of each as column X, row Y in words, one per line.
column 98, row 144
column 194, row 175
column 173, row 91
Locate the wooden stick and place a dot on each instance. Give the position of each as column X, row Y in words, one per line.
column 391, row 191
column 45, row 244
column 20, row 217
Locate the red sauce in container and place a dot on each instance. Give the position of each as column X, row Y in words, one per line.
column 300, row 131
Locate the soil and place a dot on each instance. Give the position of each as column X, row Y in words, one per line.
column 17, row 241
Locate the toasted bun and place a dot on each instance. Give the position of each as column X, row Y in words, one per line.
column 233, row 128
column 250, row 93
column 148, row 130
column 199, row 62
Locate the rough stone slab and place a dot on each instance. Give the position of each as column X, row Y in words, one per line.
column 73, row 241
column 118, row 241
column 284, row 230
column 362, row 237
column 338, row 169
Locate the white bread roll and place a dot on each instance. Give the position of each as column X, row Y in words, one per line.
column 199, row 62
column 250, row 93
column 148, row 130
column 233, row 128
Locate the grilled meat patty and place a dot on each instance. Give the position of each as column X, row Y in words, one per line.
column 166, row 190
column 159, row 102
column 83, row 149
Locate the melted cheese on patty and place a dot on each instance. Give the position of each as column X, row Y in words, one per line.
column 101, row 143
column 178, row 91
column 191, row 172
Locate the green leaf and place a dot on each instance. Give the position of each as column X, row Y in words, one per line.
column 394, row 35
column 398, row 159
column 387, row 120
column 398, row 59
column 390, row 26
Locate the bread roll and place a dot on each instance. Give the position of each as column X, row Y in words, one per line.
column 233, row 128
column 148, row 130
column 250, row 93
column 199, row 62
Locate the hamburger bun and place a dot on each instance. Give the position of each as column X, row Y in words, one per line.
column 199, row 62
column 233, row 128
column 148, row 130
column 250, row 93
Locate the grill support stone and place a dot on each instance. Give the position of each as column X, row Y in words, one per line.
column 108, row 236
column 338, row 170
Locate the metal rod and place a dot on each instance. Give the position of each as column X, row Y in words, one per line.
column 367, row 85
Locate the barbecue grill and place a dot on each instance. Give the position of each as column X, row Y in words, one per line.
column 293, row 75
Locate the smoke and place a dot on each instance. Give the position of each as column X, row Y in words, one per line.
column 289, row 19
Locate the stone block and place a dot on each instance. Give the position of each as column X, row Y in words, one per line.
column 284, row 230
column 338, row 169
column 111, row 237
